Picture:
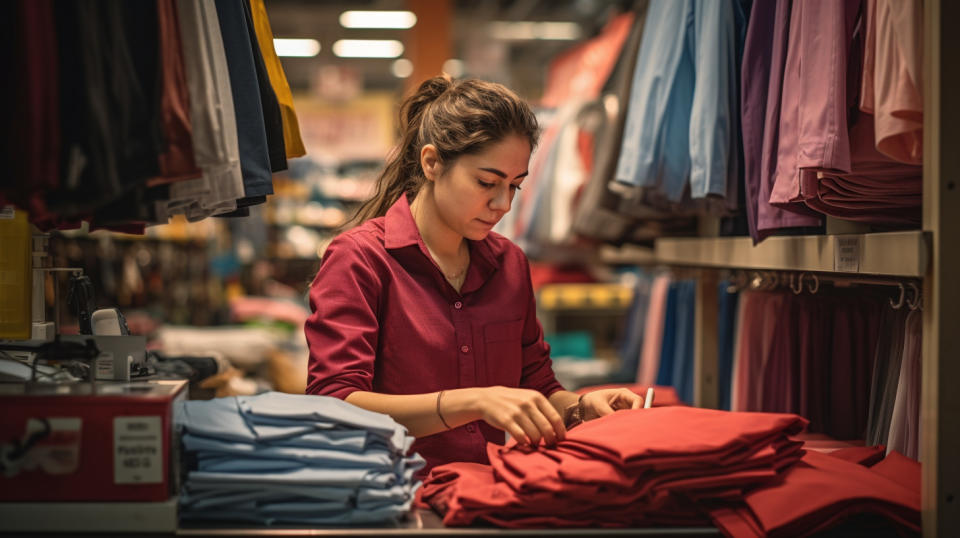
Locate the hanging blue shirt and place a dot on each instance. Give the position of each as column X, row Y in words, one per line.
column 678, row 124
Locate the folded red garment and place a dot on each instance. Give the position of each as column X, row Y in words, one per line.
column 862, row 455
column 631, row 436
column 649, row 478
column 821, row 491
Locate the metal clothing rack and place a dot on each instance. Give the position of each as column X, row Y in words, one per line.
column 910, row 293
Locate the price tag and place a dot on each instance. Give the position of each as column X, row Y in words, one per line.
column 105, row 365
column 846, row 256
column 138, row 450
column 7, row 212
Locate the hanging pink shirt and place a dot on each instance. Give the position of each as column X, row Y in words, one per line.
column 892, row 77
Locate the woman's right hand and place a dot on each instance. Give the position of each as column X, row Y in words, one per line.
column 523, row 413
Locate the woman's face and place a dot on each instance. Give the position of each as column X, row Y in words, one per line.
column 473, row 193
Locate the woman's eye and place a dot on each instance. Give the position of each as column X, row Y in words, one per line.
column 516, row 187
column 486, row 185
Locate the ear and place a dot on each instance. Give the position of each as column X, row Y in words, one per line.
column 430, row 162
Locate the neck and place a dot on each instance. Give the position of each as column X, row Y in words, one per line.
column 440, row 239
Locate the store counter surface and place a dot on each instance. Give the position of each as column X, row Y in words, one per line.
column 428, row 523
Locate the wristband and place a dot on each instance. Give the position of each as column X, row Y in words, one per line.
column 573, row 414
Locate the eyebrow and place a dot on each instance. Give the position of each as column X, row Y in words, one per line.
column 503, row 175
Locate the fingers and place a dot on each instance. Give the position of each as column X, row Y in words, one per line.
column 602, row 408
column 524, row 414
column 516, row 432
column 627, row 399
column 532, row 432
column 553, row 417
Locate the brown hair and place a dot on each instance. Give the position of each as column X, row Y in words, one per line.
column 458, row 117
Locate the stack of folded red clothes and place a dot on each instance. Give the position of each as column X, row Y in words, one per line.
column 665, row 466
column 823, row 490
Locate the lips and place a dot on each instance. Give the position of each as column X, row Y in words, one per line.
column 491, row 224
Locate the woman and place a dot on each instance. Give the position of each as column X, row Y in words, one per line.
column 421, row 312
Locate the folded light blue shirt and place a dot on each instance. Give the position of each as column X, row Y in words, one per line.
column 370, row 459
column 276, row 407
column 288, row 458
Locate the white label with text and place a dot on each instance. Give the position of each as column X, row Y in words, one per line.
column 138, row 450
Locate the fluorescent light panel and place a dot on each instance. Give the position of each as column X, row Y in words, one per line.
column 453, row 67
column 368, row 48
column 378, row 19
column 525, row 30
column 296, row 48
column 402, row 68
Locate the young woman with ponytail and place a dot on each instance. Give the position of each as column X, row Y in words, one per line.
column 421, row 312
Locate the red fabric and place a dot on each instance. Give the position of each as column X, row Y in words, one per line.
column 176, row 162
column 548, row 273
column 900, row 469
column 581, row 72
column 33, row 129
column 385, row 320
column 819, row 492
column 662, row 396
column 675, row 459
column 663, row 435
column 861, row 455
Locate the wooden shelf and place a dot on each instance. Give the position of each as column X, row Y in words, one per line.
column 904, row 254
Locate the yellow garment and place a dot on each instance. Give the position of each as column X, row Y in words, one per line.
column 291, row 129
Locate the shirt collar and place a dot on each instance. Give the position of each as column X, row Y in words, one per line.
column 400, row 230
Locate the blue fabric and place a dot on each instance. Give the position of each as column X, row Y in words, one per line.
column 221, row 418
column 711, row 119
column 726, row 337
column 633, row 330
column 231, row 464
column 293, row 458
column 661, row 48
column 277, row 407
column 370, row 459
column 685, row 316
column 680, row 112
column 537, row 229
column 362, row 497
column 251, row 129
column 336, row 517
column 668, row 342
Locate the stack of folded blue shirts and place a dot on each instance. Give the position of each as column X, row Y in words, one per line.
column 294, row 459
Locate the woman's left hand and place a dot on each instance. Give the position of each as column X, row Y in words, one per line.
column 605, row 401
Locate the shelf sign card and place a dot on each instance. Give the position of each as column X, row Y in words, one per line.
column 846, row 256
column 137, row 450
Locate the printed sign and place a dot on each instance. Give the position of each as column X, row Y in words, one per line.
column 138, row 450
column 846, row 257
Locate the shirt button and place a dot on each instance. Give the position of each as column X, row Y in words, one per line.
column 458, row 305
column 465, row 349
column 470, row 428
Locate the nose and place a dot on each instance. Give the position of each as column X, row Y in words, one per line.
column 501, row 199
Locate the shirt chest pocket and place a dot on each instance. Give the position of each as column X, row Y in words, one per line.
column 503, row 352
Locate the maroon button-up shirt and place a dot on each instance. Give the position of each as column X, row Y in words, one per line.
column 386, row 320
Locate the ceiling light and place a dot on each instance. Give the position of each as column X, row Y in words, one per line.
column 453, row 67
column 298, row 48
column 524, row 30
column 378, row 19
column 368, row 48
column 402, row 68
